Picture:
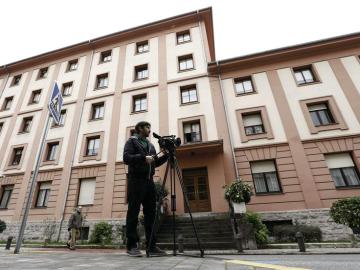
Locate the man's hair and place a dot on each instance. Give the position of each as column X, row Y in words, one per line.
column 141, row 124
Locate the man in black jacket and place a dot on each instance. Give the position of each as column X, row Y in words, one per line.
column 141, row 158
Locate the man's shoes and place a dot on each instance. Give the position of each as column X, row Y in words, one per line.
column 72, row 248
column 156, row 252
column 134, row 252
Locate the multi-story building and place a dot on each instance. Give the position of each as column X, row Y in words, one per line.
column 286, row 121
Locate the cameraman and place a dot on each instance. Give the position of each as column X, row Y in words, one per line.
column 141, row 157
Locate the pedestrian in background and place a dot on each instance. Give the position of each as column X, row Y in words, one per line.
column 74, row 226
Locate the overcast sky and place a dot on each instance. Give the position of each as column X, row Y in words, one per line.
column 31, row 27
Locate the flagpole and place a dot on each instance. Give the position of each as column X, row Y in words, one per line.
column 31, row 191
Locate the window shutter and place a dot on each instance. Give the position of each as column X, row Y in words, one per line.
column 317, row 107
column 45, row 185
column 187, row 128
column 263, row 166
column 252, row 120
column 340, row 160
column 87, row 191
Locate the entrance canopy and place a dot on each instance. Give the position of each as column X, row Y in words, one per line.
column 200, row 148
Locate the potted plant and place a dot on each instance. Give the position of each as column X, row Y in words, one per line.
column 238, row 194
column 347, row 212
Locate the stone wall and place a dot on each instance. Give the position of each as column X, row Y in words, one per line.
column 331, row 231
column 35, row 230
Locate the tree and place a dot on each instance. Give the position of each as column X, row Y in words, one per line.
column 347, row 212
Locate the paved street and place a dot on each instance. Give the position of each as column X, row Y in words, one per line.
column 88, row 259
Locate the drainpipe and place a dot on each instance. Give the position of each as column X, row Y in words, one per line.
column 227, row 119
column 76, row 141
column 6, row 80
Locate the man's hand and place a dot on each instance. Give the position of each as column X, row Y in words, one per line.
column 149, row 159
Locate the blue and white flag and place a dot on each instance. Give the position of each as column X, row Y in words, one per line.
column 55, row 103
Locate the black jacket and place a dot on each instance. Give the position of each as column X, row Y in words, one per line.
column 134, row 156
column 75, row 221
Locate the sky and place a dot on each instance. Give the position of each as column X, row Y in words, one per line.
column 32, row 27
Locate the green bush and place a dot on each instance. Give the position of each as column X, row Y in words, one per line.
column 238, row 192
column 160, row 192
column 2, row 226
column 102, row 234
column 261, row 232
column 346, row 212
column 286, row 233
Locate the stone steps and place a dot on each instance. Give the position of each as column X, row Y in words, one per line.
column 214, row 232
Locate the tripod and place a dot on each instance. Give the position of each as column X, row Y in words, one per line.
column 172, row 167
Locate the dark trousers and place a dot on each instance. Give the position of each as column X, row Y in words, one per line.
column 140, row 192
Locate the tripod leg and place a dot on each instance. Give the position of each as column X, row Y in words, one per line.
column 158, row 203
column 188, row 205
column 173, row 205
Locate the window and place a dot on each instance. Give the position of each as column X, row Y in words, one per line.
column 342, row 170
column 62, row 119
column 7, row 103
column 72, row 65
column 142, row 47
column 304, row 75
column 84, row 233
column 188, row 94
column 26, row 125
column 105, row 56
column 52, row 149
column 16, row 80
column 92, row 146
column 186, row 62
column 265, row 177
column 139, row 103
column 35, row 97
column 16, row 157
column 141, row 72
column 5, row 196
column 102, row 81
column 43, row 194
column 192, row 132
column 43, row 72
column 87, row 191
column 320, row 114
column 1, row 126
column 183, row 37
column 67, row 89
column 97, row 111
column 253, row 124
column 244, row 86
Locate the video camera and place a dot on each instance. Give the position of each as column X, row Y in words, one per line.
column 169, row 143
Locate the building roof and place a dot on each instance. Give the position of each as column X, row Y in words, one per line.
column 278, row 55
column 194, row 16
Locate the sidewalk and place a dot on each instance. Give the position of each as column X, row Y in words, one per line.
column 114, row 259
column 309, row 251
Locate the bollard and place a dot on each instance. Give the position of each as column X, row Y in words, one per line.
column 180, row 243
column 8, row 243
column 301, row 242
column 238, row 240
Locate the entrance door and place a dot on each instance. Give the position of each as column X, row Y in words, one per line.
column 197, row 188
